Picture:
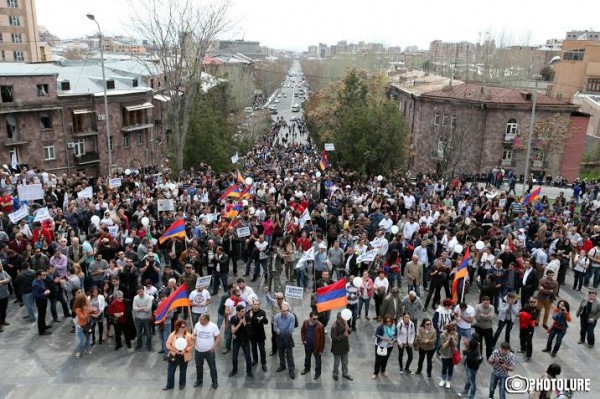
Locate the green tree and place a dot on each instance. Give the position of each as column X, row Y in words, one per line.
column 368, row 131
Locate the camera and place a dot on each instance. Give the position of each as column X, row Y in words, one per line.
column 516, row 384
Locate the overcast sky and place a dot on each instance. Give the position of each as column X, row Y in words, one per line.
column 296, row 24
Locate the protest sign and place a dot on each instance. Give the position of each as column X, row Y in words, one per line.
column 30, row 192
column 292, row 292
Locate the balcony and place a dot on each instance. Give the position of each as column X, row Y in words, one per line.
column 538, row 164
column 86, row 133
column 87, row 158
column 509, row 137
column 15, row 139
column 507, row 162
column 137, row 126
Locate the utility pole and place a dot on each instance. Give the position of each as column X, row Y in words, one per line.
column 529, row 139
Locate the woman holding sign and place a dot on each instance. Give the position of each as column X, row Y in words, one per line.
column 179, row 345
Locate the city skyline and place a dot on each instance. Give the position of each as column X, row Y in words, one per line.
column 314, row 22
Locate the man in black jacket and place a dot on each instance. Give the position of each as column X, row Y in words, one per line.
column 529, row 283
column 220, row 270
column 52, row 282
column 232, row 247
column 257, row 319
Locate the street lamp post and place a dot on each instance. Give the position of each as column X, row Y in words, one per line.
column 531, row 126
column 108, row 140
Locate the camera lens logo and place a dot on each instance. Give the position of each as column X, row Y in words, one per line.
column 517, row 384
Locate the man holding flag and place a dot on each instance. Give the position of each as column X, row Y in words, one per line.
column 459, row 278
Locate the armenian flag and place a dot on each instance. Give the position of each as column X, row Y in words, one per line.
column 177, row 229
column 331, row 297
column 240, row 179
column 461, row 273
column 532, row 196
column 177, row 299
column 233, row 191
column 246, row 193
column 235, row 210
column 324, row 163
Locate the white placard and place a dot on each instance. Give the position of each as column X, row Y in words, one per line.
column 42, row 214
column 368, row 257
column 165, row 205
column 235, row 158
column 112, row 183
column 87, row 192
column 243, row 232
column 18, row 215
column 203, row 281
column 502, row 203
column 329, row 147
column 305, row 218
column 292, row 292
column 30, row 192
column 113, row 230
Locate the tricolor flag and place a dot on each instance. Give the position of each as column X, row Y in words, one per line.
column 235, row 210
column 245, row 194
column 233, row 191
column 177, row 299
column 323, row 163
column 531, row 196
column 331, row 297
column 461, row 273
column 240, row 179
column 177, row 229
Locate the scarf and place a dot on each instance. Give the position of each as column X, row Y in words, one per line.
column 389, row 331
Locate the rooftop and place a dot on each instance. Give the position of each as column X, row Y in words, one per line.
column 418, row 82
column 492, row 95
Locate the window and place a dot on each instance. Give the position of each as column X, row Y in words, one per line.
column 110, row 84
column 12, row 3
column 6, row 94
column 11, row 128
column 16, row 38
column 13, row 20
column 453, row 121
column 507, row 155
column 14, row 154
column 134, row 83
column 18, row 56
column 141, row 137
column 593, row 85
column 65, row 85
column 111, row 143
column 42, row 90
column 79, row 147
column 126, row 140
column 3, row 56
column 45, row 120
column 512, row 126
column 1, row 37
column 436, row 119
column 574, row 55
column 445, row 120
column 49, row 152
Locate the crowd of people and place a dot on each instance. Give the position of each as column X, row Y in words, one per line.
column 100, row 258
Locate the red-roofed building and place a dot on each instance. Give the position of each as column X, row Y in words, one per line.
column 469, row 128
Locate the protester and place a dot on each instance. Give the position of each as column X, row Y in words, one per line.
column 503, row 362
column 312, row 334
column 340, row 347
column 178, row 357
column 207, row 338
column 385, row 339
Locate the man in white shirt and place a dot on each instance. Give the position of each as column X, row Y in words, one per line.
column 199, row 301
column 206, row 335
column 553, row 265
column 464, row 315
column 380, row 243
column 246, row 292
column 261, row 246
column 410, row 228
column 386, row 223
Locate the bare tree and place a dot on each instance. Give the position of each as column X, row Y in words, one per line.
column 181, row 33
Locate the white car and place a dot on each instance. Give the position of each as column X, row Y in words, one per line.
column 276, row 101
column 279, row 96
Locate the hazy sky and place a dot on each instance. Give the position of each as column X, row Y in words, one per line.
column 296, row 24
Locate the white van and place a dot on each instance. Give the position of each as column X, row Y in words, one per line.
column 295, row 108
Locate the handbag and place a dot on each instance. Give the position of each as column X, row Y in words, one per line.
column 89, row 327
column 456, row 357
column 381, row 350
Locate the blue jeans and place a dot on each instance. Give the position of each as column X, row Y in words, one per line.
column 559, row 334
column 447, row 368
column 220, row 320
column 142, row 326
column 261, row 263
column 470, row 387
column 245, row 345
column 414, row 287
column 172, row 366
column 84, row 343
column 28, row 301
column 501, row 382
column 394, row 277
column 248, row 267
column 464, row 332
column 301, row 280
column 164, row 336
column 593, row 273
column 366, row 302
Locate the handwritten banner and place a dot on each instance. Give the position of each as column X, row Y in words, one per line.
column 243, row 232
column 113, row 183
column 18, row 215
column 87, row 192
column 292, row 292
column 30, row 192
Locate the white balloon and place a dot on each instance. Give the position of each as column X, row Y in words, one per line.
column 479, row 245
column 458, row 248
column 245, row 202
column 145, row 221
column 357, row 282
column 248, row 181
column 180, row 344
column 95, row 219
column 379, row 178
column 317, row 174
column 346, row 314
column 127, row 172
column 395, row 229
